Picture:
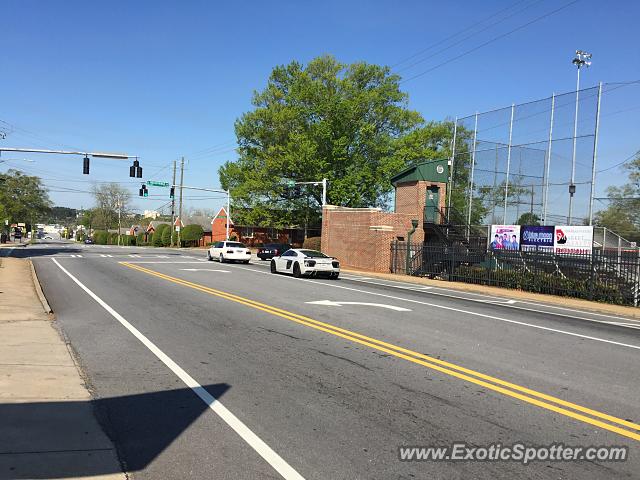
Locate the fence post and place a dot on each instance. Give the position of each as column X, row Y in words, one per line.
column 619, row 254
column 636, row 290
column 548, row 164
column 473, row 165
column 506, row 182
column 592, row 267
column 595, row 155
column 453, row 159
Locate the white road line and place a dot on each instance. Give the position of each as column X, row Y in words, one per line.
column 204, row 270
column 508, row 303
column 159, row 262
column 255, row 442
column 459, row 310
column 333, row 303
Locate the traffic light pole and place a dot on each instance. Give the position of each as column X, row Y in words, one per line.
column 86, row 155
column 214, row 190
column 180, row 207
column 173, row 204
column 324, row 188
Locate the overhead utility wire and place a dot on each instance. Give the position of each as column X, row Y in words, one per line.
column 492, row 40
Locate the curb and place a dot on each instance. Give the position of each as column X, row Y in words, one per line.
column 555, row 300
column 39, row 292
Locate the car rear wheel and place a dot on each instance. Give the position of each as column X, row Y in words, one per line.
column 221, row 259
column 246, row 262
column 296, row 270
column 335, row 276
column 273, row 267
column 209, row 255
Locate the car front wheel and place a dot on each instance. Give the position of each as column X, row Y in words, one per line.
column 273, row 267
column 209, row 255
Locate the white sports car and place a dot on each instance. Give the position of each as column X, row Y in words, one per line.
column 302, row 262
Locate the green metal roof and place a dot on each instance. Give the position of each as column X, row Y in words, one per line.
column 428, row 170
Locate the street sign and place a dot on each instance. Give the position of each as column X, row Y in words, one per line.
column 157, row 184
column 291, row 183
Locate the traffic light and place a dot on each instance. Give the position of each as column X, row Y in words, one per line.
column 135, row 170
column 85, row 166
column 172, row 192
column 143, row 192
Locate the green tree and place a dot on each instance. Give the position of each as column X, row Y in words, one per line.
column 110, row 198
column 23, row 198
column 623, row 213
column 166, row 236
column 347, row 123
column 528, row 218
column 158, row 235
column 191, row 234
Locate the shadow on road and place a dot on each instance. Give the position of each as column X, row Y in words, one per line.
column 51, row 439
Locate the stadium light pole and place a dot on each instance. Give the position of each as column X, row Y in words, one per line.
column 582, row 59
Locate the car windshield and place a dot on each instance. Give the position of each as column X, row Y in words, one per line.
column 236, row 245
column 313, row 254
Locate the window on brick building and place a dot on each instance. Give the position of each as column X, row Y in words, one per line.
column 246, row 232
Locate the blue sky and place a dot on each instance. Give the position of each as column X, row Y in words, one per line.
column 162, row 79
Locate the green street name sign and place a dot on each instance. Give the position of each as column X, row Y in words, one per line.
column 157, row 184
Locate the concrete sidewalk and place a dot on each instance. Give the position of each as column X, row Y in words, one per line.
column 47, row 425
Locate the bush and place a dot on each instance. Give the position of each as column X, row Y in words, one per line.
column 166, row 237
column 539, row 283
column 128, row 240
column 150, row 239
column 157, row 240
column 113, row 238
column 191, row 234
column 140, row 239
column 312, row 243
column 100, row 237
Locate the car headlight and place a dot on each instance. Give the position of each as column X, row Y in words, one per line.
column 309, row 263
column 335, row 264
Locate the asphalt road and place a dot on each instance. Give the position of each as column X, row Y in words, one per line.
column 329, row 391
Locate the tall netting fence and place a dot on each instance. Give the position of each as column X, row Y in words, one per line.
column 531, row 159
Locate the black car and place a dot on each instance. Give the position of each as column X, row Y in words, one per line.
column 270, row 250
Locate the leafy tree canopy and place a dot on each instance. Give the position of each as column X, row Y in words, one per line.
column 109, row 198
column 528, row 218
column 23, row 198
column 347, row 123
column 623, row 213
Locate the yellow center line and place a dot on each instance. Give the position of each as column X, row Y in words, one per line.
column 497, row 385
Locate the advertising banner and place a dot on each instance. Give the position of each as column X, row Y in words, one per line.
column 575, row 239
column 537, row 237
column 505, row 237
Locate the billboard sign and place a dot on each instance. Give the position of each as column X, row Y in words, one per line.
column 574, row 239
column 505, row 237
column 537, row 237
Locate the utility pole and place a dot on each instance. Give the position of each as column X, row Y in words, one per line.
column 119, row 214
column 180, row 201
column 173, row 204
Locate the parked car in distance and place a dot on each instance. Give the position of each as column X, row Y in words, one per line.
column 88, row 241
column 303, row 262
column 270, row 250
column 229, row 252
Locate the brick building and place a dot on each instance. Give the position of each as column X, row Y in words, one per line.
column 255, row 235
column 362, row 237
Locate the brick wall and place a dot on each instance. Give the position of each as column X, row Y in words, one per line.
column 361, row 238
column 411, row 197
